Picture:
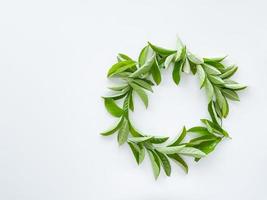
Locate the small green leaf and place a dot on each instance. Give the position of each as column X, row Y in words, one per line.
column 165, row 163
column 229, row 72
column 216, row 80
column 169, row 61
column 177, row 71
column 214, row 128
column 179, row 161
column 142, row 153
column 161, row 51
column 195, row 59
column 212, row 112
column 170, row 150
column 181, row 137
column 141, row 93
column 235, row 86
column 199, row 140
column 133, row 131
column 209, row 90
column 154, row 163
column 131, row 104
column 113, row 108
column 118, row 88
column 123, row 133
column 144, row 68
column 208, row 146
column 135, row 150
column 113, row 129
column 230, row 94
column 140, row 139
column 143, row 84
column 219, row 59
column 211, row 70
column 143, row 55
column 191, row 151
column 186, row 66
column 158, row 139
column 156, row 72
column 123, row 57
column 120, row 67
column 200, row 130
column 201, row 74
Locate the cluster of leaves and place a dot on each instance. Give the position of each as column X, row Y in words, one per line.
column 138, row 77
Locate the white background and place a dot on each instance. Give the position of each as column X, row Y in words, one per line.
column 53, row 61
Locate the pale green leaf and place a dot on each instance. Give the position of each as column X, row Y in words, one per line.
column 201, row 74
column 191, row 151
column 170, row 150
column 160, row 50
column 140, row 139
column 113, row 108
column 230, row 94
column 141, row 93
column 195, row 59
column 179, row 161
column 169, row 61
column 165, row 163
column 211, row 70
column 154, row 163
column 209, row 90
column 123, row 133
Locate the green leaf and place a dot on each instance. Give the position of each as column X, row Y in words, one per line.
column 140, row 139
column 191, row 151
column 158, row 139
column 211, row 70
column 235, row 86
column 143, row 55
column 179, row 160
column 154, row 163
column 201, row 74
column 214, row 128
column 141, row 93
column 118, row 88
column 113, row 108
column 181, row 137
column 135, row 150
column 200, row 130
column 218, row 59
column 216, row 80
column 133, row 131
column 177, row 71
column 186, row 66
column 169, row 61
column 212, row 112
column 170, row 150
column 199, row 140
column 113, row 129
column 229, row 72
column 156, row 72
column 221, row 101
column 165, row 163
column 208, row 146
column 195, row 59
column 143, row 84
column 230, row 94
column 160, row 50
column 209, row 90
column 123, row 133
column 142, row 153
column 123, row 57
column 131, row 104
column 120, row 67
column 144, row 68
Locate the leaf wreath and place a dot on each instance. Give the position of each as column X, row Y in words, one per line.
column 137, row 76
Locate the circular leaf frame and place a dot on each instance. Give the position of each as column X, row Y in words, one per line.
column 138, row 77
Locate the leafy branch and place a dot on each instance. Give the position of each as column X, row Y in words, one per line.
column 138, row 78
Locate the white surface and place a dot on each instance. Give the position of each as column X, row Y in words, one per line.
column 53, row 61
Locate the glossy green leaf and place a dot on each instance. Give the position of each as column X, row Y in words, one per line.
column 141, row 93
column 143, row 55
column 216, row 80
column 191, row 151
column 169, row 61
column 201, row 75
column 181, row 137
column 200, row 130
column 179, row 161
column 186, row 66
column 170, row 150
column 229, row 72
column 113, row 108
column 158, row 139
column 143, row 84
column 156, row 72
column 123, row 133
column 164, row 162
column 230, row 94
column 133, row 131
column 218, row 59
column 141, row 153
column 235, row 86
column 135, row 150
column 144, row 68
column 154, row 163
column 212, row 112
column 120, row 67
column 176, row 73
column 209, row 90
column 113, row 129
column 195, row 59
column 123, row 57
column 211, row 70
column 160, row 50
column 140, row 139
